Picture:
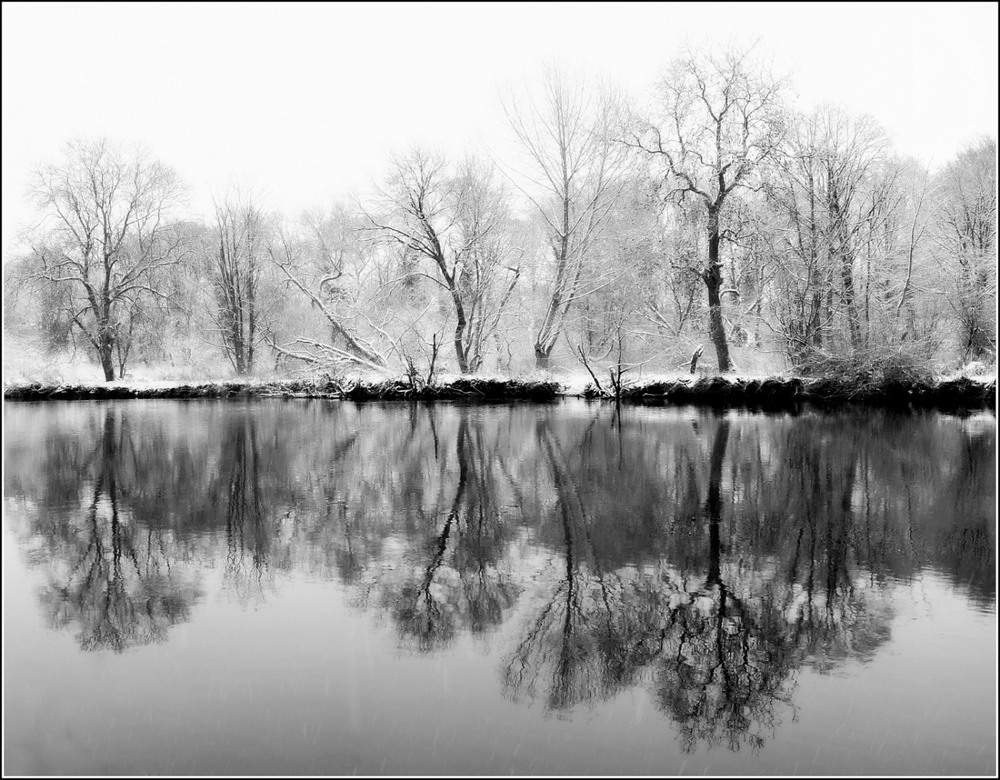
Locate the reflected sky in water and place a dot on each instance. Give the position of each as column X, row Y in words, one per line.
column 312, row 587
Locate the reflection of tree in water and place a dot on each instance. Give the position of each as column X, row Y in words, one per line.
column 720, row 650
column 706, row 561
column 592, row 633
column 717, row 664
column 832, row 617
column 968, row 549
column 249, row 535
column 115, row 582
column 724, row 663
column 458, row 580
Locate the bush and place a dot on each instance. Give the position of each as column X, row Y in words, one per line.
column 873, row 367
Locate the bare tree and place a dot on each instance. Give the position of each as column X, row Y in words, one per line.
column 843, row 252
column 491, row 260
column 105, row 234
column 803, row 278
column 319, row 270
column 458, row 222
column 567, row 135
column 241, row 236
column 850, row 151
column 614, row 322
column 966, row 232
column 719, row 120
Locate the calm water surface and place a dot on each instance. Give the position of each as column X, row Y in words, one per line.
column 295, row 587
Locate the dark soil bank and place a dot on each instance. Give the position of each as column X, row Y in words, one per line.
column 776, row 393
column 461, row 389
column 786, row 392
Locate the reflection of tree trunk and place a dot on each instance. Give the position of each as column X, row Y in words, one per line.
column 713, row 508
column 425, row 626
column 562, row 689
column 713, row 504
column 245, row 511
column 107, row 610
column 811, row 511
column 110, row 466
column 456, row 504
column 117, row 623
column 117, row 594
column 570, row 505
column 562, row 693
column 836, row 549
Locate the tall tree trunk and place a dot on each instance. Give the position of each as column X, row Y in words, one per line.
column 106, row 352
column 252, row 280
column 463, row 361
column 543, row 357
column 712, row 277
column 843, row 256
column 463, row 364
column 815, row 320
column 236, row 347
column 847, row 276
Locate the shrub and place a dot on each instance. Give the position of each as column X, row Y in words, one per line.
column 890, row 365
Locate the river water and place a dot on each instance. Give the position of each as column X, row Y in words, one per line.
column 314, row 587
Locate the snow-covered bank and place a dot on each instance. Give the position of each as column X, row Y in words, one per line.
column 771, row 392
column 472, row 389
column 960, row 392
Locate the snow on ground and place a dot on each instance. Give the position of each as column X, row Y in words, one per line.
column 24, row 364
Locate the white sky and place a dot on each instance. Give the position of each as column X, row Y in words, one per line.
column 306, row 102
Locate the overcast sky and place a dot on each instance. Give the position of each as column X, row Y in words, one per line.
column 305, row 102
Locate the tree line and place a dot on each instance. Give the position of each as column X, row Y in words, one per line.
column 619, row 235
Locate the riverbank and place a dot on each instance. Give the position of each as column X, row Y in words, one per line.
column 777, row 392
column 481, row 390
column 766, row 393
